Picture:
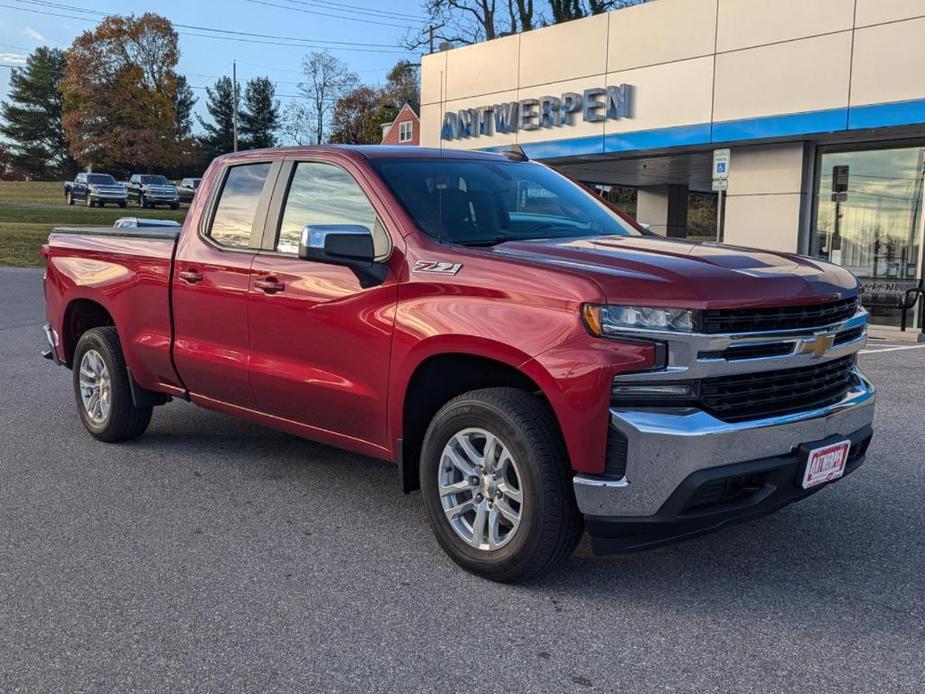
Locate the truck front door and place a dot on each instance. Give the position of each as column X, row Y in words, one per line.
column 319, row 341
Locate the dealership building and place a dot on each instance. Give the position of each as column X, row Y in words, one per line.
column 820, row 102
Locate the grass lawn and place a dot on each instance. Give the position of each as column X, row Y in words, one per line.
column 30, row 210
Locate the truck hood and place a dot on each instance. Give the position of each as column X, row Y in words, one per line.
column 654, row 271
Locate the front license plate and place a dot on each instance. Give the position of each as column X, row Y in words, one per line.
column 826, row 463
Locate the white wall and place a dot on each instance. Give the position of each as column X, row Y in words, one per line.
column 692, row 62
column 765, row 197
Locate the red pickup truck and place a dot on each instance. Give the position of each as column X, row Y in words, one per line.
column 532, row 360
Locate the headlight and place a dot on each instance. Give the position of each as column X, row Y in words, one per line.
column 613, row 320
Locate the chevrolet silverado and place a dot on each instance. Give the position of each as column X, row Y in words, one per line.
column 150, row 190
column 531, row 359
column 95, row 189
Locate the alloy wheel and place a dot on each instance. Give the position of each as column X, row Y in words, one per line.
column 95, row 386
column 480, row 489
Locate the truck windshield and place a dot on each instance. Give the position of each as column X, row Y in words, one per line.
column 481, row 203
column 154, row 180
column 101, row 179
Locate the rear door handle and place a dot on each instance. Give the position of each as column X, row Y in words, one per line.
column 191, row 276
column 271, row 285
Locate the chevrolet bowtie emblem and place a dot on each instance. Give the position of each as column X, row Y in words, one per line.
column 818, row 345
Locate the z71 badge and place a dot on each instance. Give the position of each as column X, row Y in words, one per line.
column 437, row 267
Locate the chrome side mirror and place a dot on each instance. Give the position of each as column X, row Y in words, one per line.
column 349, row 245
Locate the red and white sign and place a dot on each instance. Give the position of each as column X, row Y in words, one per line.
column 826, row 464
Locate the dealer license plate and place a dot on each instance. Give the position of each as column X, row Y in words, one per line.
column 826, row 463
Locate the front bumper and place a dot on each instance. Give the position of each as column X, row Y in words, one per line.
column 667, row 449
column 161, row 197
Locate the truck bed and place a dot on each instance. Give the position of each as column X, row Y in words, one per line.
column 126, row 272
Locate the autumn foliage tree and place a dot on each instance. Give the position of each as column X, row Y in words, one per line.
column 354, row 117
column 360, row 113
column 120, row 95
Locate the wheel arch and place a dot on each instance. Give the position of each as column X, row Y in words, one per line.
column 80, row 315
column 435, row 379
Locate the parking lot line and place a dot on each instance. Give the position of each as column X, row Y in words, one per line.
column 890, row 349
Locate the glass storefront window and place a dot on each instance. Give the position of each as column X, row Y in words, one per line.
column 869, row 220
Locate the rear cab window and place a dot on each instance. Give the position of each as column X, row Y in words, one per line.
column 234, row 224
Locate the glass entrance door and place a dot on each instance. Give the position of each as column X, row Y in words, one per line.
column 869, row 220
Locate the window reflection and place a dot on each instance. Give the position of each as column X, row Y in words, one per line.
column 874, row 228
column 324, row 194
column 237, row 205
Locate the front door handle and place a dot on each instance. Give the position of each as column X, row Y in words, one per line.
column 191, row 276
column 271, row 285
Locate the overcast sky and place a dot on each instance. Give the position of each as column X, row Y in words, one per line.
column 371, row 32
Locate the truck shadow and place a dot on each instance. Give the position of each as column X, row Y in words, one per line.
column 848, row 553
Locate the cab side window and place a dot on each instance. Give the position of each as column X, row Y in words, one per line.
column 326, row 194
column 237, row 205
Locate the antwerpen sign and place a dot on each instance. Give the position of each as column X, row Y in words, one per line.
column 591, row 105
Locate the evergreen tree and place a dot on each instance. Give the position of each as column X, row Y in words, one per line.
column 32, row 118
column 259, row 119
column 219, row 132
column 183, row 102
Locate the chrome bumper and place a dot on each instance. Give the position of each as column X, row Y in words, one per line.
column 665, row 447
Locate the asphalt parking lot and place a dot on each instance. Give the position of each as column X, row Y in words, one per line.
column 212, row 555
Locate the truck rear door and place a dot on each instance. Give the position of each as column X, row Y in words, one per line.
column 211, row 283
column 320, row 342
column 79, row 189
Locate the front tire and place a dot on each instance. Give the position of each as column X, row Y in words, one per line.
column 102, row 391
column 69, row 197
column 496, row 485
column 142, row 202
column 89, row 201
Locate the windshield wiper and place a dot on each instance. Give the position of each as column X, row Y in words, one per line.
column 501, row 239
column 487, row 242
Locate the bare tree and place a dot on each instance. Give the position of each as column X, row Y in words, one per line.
column 472, row 21
column 327, row 79
column 567, row 10
column 297, row 124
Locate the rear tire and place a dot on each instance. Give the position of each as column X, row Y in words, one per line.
column 547, row 526
column 99, row 370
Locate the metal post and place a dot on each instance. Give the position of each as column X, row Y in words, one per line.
column 719, row 216
column 234, row 102
column 430, row 34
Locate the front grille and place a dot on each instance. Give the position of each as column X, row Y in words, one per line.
column 776, row 349
column 746, row 320
column 769, row 393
